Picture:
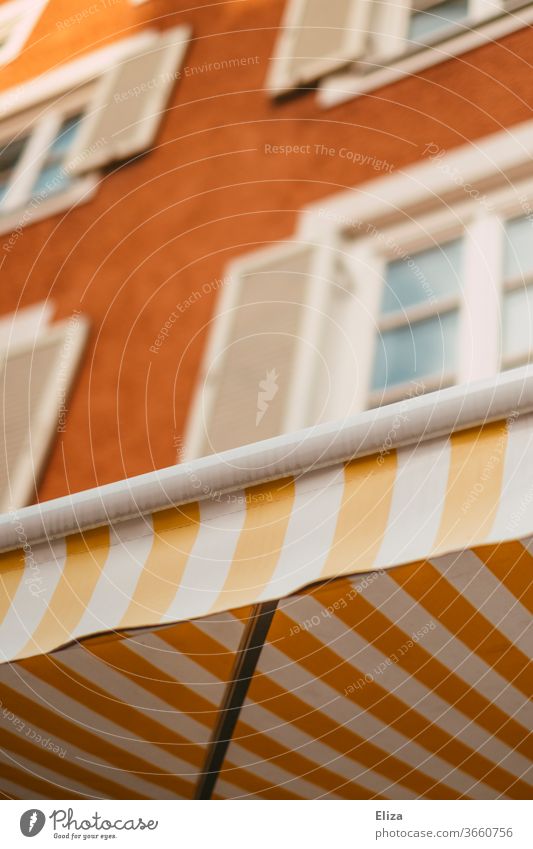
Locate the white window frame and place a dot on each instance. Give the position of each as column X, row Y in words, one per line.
column 455, row 184
column 18, row 18
column 392, row 56
column 41, row 127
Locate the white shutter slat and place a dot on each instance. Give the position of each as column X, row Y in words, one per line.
column 261, row 340
column 129, row 103
column 318, row 37
column 34, row 383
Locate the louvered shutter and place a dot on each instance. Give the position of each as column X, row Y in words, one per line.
column 34, row 383
column 259, row 364
column 129, row 103
column 317, row 37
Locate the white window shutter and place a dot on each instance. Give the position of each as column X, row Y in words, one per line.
column 318, row 37
column 35, row 379
column 129, row 103
column 256, row 378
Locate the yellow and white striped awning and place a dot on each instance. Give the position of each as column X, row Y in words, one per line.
column 396, row 665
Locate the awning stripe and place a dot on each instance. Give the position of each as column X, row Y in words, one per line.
column 440, row 598
column 275, row 687
column 417, row 500
column 35, row 591
column 80, row 778
column 363, row 515
column 86, row 555
column 130, row 545
column 391, row 601
column 77, row 682
column 62, row 787
column 101, row 753
column 382, row 634
column 512, row 565
column 12, row 566
column 175, row 532
column 474, row 486
column 268, row 510
column 322, row 662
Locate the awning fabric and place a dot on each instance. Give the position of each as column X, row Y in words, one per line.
column 271, row 540
column 397, row 664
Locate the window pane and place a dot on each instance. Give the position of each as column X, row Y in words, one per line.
column 66, row 135
column 415, row 351
column 9, row 157
column 52, row 177
column 518, row 260
column 423, row 277
column 517, row 326
column 438, row 17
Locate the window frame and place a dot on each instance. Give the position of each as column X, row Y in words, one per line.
column 480, row 219
column 470, row 191
column 45, row 94
column 41, row 127
column 22, row 15
column 390, row 64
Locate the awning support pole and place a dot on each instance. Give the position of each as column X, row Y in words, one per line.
column 245, row 663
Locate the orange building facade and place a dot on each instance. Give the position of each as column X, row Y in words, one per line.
column 230, row 170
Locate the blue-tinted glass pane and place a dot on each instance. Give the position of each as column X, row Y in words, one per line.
column 51, row 179
column 518, row 257
column 66, row 135
column 438, row 17
column 423, row 277
column 415, row 351
column 11, row 153
column 517, row 322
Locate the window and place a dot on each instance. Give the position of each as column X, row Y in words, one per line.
column 37, row 366
column 17, row 19
column 358, row 38
column 517, row 298
column 428, row 21
column 94, row 119
column 375, row 300
column 418, row 323
column 35, row 150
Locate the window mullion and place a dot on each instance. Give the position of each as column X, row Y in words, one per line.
column 31, row 161
column 479, row 345
column 367, row 265
column 314, row 310
column 482, row 10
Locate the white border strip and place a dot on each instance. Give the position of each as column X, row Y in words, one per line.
column 405, row 423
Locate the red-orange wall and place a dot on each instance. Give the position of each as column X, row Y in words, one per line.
column 164, row 225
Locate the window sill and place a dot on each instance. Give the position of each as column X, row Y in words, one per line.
column 351, row 83
column 80, row 191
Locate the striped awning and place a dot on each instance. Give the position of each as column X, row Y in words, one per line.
column 395, row 665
